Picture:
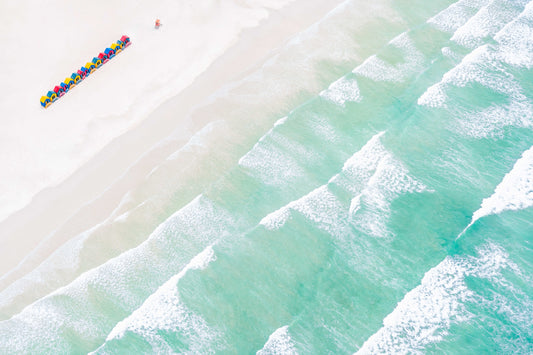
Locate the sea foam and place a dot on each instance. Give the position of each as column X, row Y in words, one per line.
column 378, row 69
column 455, row 15
column 372, row 176
column 276, row 159
column 279, row 343
column 60, row 267
column 164, row 311
column 516, row 40
column 320, row 205
column 487, row 22
column 515, row 192
column 342, row 91
column 121, row 280
column 426, row 313
column 491, row 121
column 369, row 211
column 469, row 70
column 484, row 64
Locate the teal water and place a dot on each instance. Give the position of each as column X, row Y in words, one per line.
column 389, row 213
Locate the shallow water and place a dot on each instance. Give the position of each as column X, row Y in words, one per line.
column 389, row 213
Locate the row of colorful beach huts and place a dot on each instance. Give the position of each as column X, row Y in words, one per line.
column 85, row 71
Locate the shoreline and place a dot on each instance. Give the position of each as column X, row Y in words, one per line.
column 130, row 156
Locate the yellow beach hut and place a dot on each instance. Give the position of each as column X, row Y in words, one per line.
column 116, row 47
column 45, row 101
column 90, row 67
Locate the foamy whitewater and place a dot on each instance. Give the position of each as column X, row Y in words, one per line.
column 269, row 177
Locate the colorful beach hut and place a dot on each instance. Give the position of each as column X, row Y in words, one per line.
column 125, row 40
column 109, row 52
column 70, row 82
column 90, row 67
column 116, row 47
column 97, row 62
column 83, row 72
column 59, row 91
column 45, row 101
column 103, row 57
column 65, row 87
column 76, row 77
column 52, row 95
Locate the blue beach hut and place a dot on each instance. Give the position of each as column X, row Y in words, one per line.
column 65, row 87
column 70, row 82
column 84, row 72
column 97, row 62
column 45, row 101
column 76, row 77
column 109, row 52
column 52, row 95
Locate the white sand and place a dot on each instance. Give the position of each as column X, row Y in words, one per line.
column 44, row 42
column 73, row 145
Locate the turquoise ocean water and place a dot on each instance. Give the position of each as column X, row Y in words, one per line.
column 368, row 190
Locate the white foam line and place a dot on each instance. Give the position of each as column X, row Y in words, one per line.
column 373, row 176
column 359, row 167
column 244, row 158
column 515, row 192
column 341, row 91
column 198, row 139
column 448, row 52
column 319, row 206
column 455, row 15
column 473, row 69
column 426, row 313
column 42, row 320
column 390, row 180
column 78, row 239
column 279, row 343
column 295, row 40
column 64, row 260
column 491, row 121
column 486, row 22
column 515, row 51
column 195, row 143
column 365, row 160
column 516, row 40
column 460, row 75
column 163, row 310
column 378, row 70
column 278, row 160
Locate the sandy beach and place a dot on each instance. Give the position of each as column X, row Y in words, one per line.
column 91, row 193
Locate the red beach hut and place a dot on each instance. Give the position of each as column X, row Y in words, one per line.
column 59, row 91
